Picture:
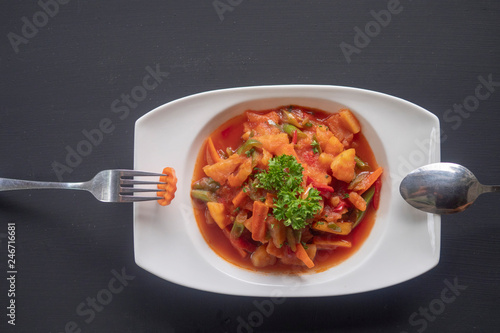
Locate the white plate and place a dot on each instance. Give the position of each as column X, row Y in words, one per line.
column 403, row 243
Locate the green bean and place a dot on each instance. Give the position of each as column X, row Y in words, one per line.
column 360, row 163
column 203, row 195
column 206, row 184
column 368, row 196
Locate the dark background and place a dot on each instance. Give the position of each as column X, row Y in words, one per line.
column 65, row 77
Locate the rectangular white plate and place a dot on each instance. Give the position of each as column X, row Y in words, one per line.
column 403, row 243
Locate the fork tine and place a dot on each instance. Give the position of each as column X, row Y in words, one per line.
column 127, row 183
column 128, row 190
column 133, row 198
column 133, row 173
column 138, row 182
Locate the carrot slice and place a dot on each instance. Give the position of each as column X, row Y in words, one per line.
column 368, row 181
column 376, row 195
column 302, row 255
column 170, row 186
column 269, row 200
column 259, row 224
column 238, row 199
column 357, row 200
column 212, row 151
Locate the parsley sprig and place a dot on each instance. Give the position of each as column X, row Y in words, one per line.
column 315, row 146
column 285, row 174
column 285, row 178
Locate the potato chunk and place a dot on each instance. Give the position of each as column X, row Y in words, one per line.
column 334, row 146
column 343, row 165
column 260, row 258
column 350, row 121
column 221, row 170
column 218, row 213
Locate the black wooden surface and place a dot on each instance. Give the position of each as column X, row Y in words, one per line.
column 60, row 78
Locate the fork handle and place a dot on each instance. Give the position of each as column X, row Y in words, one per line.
column 7, row 184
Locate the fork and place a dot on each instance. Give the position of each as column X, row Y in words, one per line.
column 107, row 186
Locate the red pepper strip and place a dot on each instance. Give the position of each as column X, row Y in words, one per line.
column 323, row 188
column 376, row 195
column 240, row 243
column 340, row 206
column 243, row 244
column 294, row 137
column 318, row 186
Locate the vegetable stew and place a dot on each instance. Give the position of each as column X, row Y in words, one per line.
column 289, row 189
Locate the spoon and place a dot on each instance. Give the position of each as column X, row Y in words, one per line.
column 442, row 188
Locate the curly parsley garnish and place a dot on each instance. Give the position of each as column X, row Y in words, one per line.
column 315, row 146
column 285, row 178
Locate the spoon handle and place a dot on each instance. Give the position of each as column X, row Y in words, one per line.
column 491, row 188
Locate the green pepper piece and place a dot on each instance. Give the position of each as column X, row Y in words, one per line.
column 254, row 159
column 203, row 195
column 289, row 129
column 237, row 229
column 334, row 226
column 290, row 119
column 368, row 196
column 249, row 144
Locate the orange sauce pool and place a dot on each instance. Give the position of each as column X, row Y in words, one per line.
column 229, row 135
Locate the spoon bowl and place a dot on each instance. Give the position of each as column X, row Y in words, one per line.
column 442, row 188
